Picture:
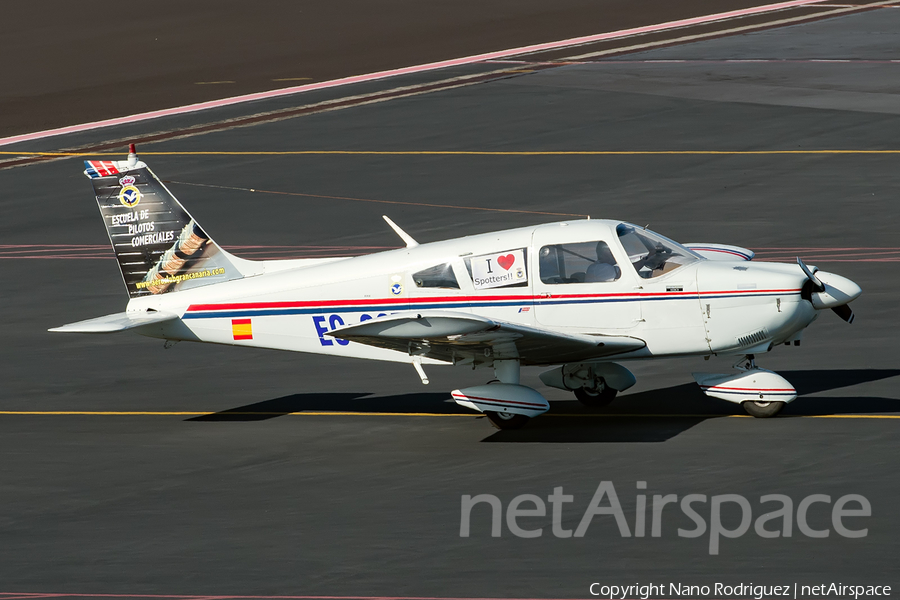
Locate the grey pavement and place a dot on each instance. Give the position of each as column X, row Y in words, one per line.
column 370, row 504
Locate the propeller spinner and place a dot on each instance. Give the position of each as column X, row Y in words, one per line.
column 836, row 294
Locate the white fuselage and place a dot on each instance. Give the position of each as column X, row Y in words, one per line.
column 701, row 308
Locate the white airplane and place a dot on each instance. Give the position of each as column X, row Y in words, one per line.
column 578, row 296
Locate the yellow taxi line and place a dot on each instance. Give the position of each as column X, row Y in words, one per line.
column 402, row 414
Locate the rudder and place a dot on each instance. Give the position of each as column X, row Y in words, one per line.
column 160, row 248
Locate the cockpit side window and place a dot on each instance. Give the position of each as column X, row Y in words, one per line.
column 439, row 276
column 582, row 262
column 651, row 254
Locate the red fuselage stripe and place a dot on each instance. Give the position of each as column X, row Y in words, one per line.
column 462, row 299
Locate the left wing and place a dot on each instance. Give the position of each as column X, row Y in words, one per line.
column 467, row 339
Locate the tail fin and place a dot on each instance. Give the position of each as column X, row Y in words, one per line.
column 159, row 246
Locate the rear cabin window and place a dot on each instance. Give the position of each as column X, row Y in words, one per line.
column 439, row 276
column 584, row 262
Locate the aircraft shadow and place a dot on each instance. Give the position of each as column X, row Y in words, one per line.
column 594, row 428
column 648, row 416
column 340, row 402
column 661, row 414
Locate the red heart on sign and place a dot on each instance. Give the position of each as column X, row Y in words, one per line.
column 506, row 261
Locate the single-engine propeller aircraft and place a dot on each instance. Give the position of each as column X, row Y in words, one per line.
column 577, row 296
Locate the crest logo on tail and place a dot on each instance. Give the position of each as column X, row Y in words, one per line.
column 129, row 196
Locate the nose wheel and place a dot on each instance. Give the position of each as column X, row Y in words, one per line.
column 506, row 420
column 762, row 393
column 762, row 409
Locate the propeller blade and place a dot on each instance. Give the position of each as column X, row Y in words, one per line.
column 818, row 286
column 844, row 311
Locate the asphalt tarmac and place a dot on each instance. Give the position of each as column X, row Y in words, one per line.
column 67, row 65
column 245, row 487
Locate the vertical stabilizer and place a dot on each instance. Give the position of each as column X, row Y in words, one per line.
column 160, row 248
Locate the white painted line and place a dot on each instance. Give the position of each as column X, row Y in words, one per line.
column 578, row 41
column 733, row 30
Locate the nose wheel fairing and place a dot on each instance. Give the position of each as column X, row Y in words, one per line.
column 752, row 385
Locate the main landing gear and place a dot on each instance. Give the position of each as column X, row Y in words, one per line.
column 596, row 396
column 595, row 384
column 507, row 404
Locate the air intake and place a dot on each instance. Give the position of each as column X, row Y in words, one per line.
column 752, row 339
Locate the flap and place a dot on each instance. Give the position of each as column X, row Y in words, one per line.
column 465, row 338
column 116, row 322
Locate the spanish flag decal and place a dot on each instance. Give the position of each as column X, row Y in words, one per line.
column 242, row 329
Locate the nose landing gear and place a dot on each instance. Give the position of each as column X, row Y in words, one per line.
column 760, row 392
column 762, row 409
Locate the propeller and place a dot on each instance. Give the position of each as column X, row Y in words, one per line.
column 842, row 310
column 818, row 286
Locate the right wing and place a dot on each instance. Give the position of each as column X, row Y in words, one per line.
column 460, row 337
column 721, row 251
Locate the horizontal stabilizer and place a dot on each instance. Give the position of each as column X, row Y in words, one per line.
column 116, row 322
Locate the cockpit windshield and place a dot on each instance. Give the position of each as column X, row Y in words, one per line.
column 651, row 254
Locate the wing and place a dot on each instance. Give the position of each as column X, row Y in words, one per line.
column 116, row 322
column 462, row 338
column 721, row 251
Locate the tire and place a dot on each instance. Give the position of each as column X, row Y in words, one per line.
column 507, row 420
column 596, row 398
column 762, row 410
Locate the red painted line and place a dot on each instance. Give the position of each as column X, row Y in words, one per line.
column 405, row 71
column 774, row 248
